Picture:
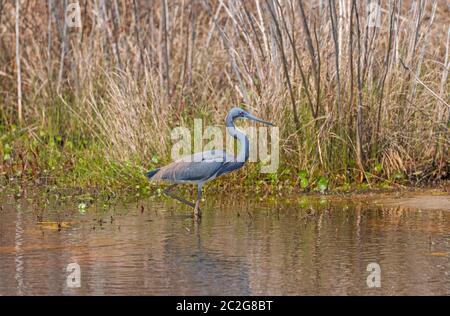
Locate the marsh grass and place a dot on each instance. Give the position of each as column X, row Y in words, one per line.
column 356, row 104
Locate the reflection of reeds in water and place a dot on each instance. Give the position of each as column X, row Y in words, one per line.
column 330, row 252
column 346, row 95
column 273, row 251
column 421, row 220
column 325, row 246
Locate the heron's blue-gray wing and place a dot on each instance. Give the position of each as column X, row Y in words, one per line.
column 229, row 167
column 197, row 167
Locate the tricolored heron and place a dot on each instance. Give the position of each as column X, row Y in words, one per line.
column 208, row 165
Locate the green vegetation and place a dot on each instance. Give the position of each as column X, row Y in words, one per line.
column 77, row 166
column 358, row 107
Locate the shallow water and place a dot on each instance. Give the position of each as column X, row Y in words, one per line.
column 293, row 247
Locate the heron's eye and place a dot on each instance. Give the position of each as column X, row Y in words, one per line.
column 241, row 113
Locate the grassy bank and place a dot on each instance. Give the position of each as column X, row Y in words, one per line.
column 359, row 105
column 77, row 166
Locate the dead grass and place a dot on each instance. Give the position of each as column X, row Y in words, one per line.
column 350, row 99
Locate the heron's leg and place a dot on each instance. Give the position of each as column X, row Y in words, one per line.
column 197, row 211
column 168, row 192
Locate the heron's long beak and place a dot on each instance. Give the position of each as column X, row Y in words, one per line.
column 254, row 118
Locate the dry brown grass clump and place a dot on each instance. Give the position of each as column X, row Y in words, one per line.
column 349, row 94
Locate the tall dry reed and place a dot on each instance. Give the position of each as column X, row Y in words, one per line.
column 351, row 91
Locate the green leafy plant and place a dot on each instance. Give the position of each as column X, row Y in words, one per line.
column 304, row 179
column 322, row 184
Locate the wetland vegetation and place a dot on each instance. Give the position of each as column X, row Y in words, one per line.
column 358, row 89
column 362, row 101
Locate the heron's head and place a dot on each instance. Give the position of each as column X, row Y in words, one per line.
column 236, row 113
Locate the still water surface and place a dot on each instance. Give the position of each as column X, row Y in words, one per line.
column 294, row 247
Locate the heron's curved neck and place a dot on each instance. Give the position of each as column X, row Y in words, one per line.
column 243, row 152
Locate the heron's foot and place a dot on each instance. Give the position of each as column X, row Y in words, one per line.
column 197, row 215
column 197, row 211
